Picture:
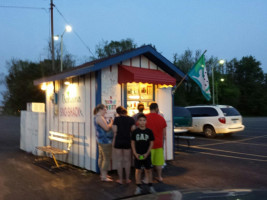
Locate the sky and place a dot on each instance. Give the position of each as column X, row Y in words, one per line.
column 227, row 29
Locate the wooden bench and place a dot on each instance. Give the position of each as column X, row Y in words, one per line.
column 63, row 138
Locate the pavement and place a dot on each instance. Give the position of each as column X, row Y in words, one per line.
column 191, row 170
column 20, row 178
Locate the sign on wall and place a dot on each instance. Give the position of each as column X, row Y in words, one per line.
column 72, row 103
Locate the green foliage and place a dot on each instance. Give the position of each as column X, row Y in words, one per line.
column 19, row 84
column 244, row 85
column 105, row 48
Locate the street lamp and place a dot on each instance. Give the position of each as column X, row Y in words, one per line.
column 221, row 62
column 67, row 29
column 217, row 90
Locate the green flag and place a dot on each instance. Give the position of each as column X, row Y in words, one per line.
column 199, row 74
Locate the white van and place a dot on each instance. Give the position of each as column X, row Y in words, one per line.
column 215, row 119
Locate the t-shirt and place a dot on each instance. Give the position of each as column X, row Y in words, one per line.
column 156, row 123
column 123, row 137
column 142, row 139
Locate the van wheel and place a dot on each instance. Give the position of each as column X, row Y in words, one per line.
column 209, row 132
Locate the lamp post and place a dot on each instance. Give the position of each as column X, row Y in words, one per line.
column 221, row 62
column 217, row 90
column 67, row 29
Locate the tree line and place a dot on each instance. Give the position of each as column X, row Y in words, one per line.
column 244, row 85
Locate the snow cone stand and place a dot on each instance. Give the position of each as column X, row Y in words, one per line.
column 138, row 75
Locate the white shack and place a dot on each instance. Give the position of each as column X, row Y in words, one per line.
column 138, row 75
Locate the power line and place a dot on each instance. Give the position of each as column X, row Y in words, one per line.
column 74, row 31
column 24, row 7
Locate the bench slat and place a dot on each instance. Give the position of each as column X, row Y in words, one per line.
column 60, row 139
column 53, row 150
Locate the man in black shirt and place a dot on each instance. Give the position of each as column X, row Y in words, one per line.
column 142, row 142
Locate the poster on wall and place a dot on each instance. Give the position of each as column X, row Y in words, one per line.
column 72, row 103
column 111, row 107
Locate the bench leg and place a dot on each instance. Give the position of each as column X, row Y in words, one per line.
column 55, row 160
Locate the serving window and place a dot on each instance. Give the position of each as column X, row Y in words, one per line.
column 136, row 93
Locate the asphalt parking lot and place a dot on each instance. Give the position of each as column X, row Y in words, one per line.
column 236, row 162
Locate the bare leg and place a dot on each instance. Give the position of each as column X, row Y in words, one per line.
column 159, row 172
column 148, row 175
column 119, row 158
column 127, row 163
column 138, row 176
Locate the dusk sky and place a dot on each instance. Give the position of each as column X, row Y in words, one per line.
column 227, row 29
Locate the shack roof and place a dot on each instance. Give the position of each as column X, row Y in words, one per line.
column 148, row 51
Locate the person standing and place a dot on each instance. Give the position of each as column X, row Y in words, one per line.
column 140, row 108
column 122, row 127
column 142, row 142
column 158, row 125
column 104, row 137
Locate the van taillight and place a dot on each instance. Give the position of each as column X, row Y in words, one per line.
column 222, row 120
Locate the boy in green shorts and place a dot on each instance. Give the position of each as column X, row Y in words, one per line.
column 142, row 142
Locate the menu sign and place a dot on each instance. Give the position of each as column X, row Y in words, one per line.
column 72, row 104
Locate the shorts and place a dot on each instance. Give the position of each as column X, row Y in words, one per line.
column 138, row 164
column 122, row 144
column 157, row 157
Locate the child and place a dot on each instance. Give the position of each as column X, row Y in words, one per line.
column 142, row 142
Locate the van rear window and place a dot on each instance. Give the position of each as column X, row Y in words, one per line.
column 230, row 112
column 203, row 112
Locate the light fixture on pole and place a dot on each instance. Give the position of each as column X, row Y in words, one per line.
column 221, row 62
column 67, row 29
column 56, row 37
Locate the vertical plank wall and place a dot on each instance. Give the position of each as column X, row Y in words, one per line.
column 83, row 150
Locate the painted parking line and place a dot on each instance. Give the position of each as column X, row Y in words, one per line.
column 226, row 151
column 228, row 142
column 238, row 154
column 235, row 157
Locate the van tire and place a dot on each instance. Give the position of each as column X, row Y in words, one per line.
column 209, row 131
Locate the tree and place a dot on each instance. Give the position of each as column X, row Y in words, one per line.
column 250, row 79
column 189, row 92
column 105, row 48
column 19, row 84
column 68, row 60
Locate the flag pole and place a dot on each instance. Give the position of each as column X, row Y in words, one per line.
column 181, row 81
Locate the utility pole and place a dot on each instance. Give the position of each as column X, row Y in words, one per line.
column 52, row 35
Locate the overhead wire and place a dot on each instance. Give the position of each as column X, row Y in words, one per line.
column 74, row 31
column 25, row 7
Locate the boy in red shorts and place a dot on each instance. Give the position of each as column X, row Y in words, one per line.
column 142, row 142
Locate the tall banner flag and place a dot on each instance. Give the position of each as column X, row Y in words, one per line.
column 199, row 74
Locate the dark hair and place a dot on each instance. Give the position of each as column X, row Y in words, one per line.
column 124, row 112
column 153, row 106
column 141, row 115
column 99, row 107
column 140, row 107
column 119, row 109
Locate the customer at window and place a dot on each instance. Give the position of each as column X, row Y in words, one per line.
column 122, row 127
column 140, row 108
column 104, row 139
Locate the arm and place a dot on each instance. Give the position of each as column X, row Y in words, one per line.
column 102, row 122
column 164, row 134
column 134, row 150
column 114, row 129
column 149, row 149
column 133, row 127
